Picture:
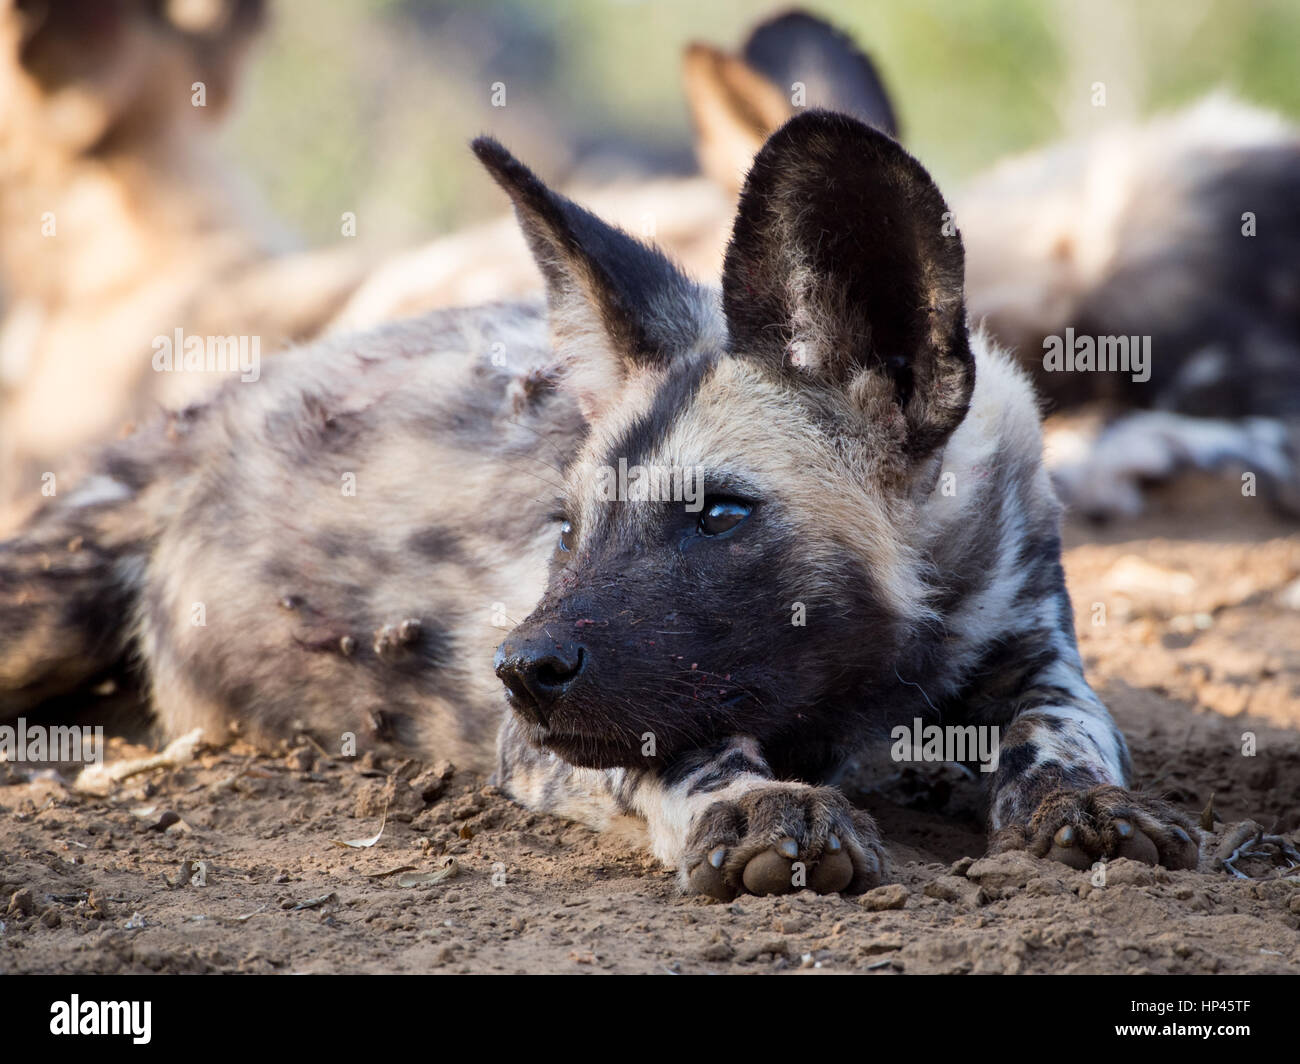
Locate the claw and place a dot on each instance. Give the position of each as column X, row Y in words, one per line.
column 788, row 848
column 1189, row 853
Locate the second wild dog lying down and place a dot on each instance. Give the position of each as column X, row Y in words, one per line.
column 335, row 548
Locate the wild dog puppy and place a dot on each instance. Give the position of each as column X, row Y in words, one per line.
column 329, row 551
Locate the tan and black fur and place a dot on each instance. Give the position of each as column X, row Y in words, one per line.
column 828, row 392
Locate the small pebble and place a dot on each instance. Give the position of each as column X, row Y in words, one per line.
column 21, row 903
column 890, row 896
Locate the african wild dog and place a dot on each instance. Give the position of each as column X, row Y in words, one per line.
column 350, row 528
column 1183, row 230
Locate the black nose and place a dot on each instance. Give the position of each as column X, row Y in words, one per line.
column 538, row 672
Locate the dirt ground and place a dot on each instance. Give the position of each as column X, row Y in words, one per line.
column 1190, row 628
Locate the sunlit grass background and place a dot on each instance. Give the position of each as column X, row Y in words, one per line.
column 366, row 105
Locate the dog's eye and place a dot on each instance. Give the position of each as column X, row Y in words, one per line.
column 722, row 515
column 566, row 536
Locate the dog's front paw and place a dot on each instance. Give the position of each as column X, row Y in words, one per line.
column 1080, row 827
column 780, row 838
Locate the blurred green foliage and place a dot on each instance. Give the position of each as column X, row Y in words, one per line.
column 366, row 105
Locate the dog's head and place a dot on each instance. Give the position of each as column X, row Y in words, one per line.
column 76, row 75
column 733, row 554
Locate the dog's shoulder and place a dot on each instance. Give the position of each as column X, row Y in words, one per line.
column 991, row 525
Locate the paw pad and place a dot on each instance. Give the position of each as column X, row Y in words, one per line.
column 781, row 840
column 1080, row 828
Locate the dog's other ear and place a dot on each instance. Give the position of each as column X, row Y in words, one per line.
column 617, row 306
column 845, row 271
column 789, row 63
column 801, row 49
column 734, row 109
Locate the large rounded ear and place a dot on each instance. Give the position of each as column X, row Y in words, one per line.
column 616, row 305
column 845, row 271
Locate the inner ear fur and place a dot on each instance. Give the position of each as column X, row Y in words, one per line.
column 844, row 261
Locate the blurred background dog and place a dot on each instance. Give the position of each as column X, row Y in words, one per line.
column 127, row 212
column 122, row 219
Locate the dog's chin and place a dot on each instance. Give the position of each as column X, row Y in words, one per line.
column 584, row 751
column 588, row 753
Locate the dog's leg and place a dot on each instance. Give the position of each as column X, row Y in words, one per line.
column 717, row 815
column 1102, row 476
column 70, row 576
column 1059, row 788
column 729, row 827
column 67, row 585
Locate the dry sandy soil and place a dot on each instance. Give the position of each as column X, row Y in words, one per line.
column 1199, row 644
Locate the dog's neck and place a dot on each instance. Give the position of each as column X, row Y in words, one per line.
column 99, row 225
